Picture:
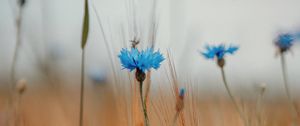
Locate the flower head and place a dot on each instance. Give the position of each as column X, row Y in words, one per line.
column 180, row 100
column 285, row 41
column 218, row 51
column 181, row 93
column 142, row 61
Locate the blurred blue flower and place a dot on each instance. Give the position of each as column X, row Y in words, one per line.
column 144, row 60
column 285, row 41
column 56, row 51
column 181, row 92
column 97, row 75
column 219, row 51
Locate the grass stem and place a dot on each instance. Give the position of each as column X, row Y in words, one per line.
column 144, row 105
column 13, row 99
column 232, row 97
column 82, row 88
column 259, row 106
column 287, row 90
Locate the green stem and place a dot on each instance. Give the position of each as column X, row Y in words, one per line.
column 287, row 90
column 82, row 89
column 144, row 105
column 232, row 97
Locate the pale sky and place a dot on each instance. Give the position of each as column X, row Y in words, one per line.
column 184, row 27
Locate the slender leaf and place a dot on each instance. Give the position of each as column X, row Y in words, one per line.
column 85, row 27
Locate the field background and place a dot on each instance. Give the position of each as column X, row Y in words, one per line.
column 50, row 55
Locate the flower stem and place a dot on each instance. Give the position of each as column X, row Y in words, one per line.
column 82, row 89
column 287, row 90
column 13, row 98
column 144, row 105
column 148, row 84
column 17, row 46
column 232, row 97
column 259, row 106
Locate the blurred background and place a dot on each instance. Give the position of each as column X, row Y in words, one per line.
column 50, row 52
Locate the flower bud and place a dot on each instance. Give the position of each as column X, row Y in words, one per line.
column 140, row 75
column 262, row 87
column 180, row 100
column 181, row 93
column 21, row 86
column 221, row 62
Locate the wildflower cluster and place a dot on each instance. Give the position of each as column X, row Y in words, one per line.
column 144, row 60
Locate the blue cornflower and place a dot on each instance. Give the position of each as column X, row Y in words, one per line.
column 219, row 51
column 285, row 41
column 142, row 61
column 181, row 93
column 180, row 102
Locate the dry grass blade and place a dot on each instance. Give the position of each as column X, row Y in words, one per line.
column 175, row 88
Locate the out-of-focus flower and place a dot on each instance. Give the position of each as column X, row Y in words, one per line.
column 180, row 100
column 97, row 75
column 56, row 51
column 284, row 42
column 142, row 61
column 21, row 86
column 219, row 51
column 181, row 93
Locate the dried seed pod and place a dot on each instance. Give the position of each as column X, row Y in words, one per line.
column 221, row 62
column 262, row 87
column 21, row 86
column 140, row 75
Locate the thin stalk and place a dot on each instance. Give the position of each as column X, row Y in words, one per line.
column 232, row 97
column 17, row 46
column 259, row 107
column 18, row 109
column 82, row 89
column 12, row 100
column 287, row 90
column 148, row 84
column 144, row 105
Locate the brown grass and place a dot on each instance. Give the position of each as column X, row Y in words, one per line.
column 40, row 107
